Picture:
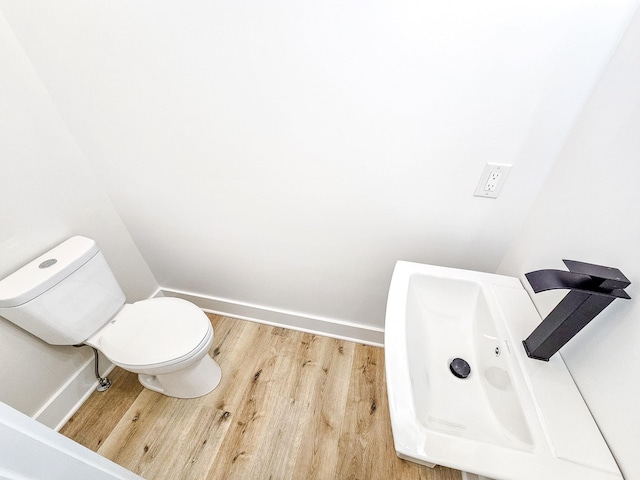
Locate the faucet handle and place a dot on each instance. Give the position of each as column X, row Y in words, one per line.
column 607, row 278
column 582, row 277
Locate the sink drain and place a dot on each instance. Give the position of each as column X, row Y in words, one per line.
column 460, row 368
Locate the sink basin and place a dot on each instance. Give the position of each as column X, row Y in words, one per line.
column 512, row 417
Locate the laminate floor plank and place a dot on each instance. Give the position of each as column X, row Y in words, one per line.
column 139, row 436
column 290, row 405
column 319, row 452
column 102, row 411
column 251, row 411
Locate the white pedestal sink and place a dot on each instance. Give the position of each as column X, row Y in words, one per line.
column 512, row 417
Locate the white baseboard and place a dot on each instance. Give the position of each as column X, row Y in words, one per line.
column 68, row 399
column 342, row 330
column 473, row 476
column 158, row 293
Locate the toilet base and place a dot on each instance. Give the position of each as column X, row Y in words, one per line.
column 191, row 382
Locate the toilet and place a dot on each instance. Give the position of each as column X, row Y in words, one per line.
column 69, row 296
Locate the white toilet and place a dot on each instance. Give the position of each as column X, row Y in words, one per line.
column 69, row 296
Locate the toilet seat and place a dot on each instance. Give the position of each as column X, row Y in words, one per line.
column 155, row 333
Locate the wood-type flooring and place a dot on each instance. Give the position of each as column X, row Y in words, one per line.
column 290, row 405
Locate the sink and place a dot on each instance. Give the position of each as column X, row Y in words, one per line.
column 512, row 417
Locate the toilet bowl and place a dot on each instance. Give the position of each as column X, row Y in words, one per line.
column 166, row 342
column 69, row 296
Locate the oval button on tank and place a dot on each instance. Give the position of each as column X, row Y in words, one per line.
column 48, row 263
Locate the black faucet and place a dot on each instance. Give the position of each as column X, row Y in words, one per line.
column 592, row 288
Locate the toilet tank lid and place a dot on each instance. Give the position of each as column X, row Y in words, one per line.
column 47, row 270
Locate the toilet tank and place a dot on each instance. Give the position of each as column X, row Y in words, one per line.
column 65, row 295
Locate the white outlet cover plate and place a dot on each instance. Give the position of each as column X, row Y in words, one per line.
column 501, row 168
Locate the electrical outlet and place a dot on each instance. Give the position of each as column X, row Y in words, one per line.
column 492, row 180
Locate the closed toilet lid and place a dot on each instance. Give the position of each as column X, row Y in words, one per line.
column 154, row 331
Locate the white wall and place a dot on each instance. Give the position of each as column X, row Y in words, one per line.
column 588, row 211
column 287, row 153
column 49, row 192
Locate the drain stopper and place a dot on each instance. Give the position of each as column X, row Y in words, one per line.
column 460, row 368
